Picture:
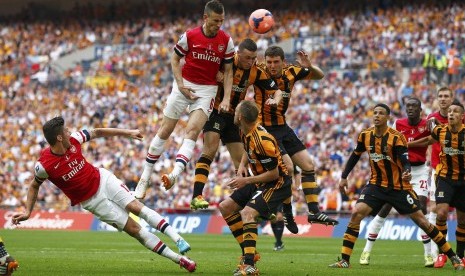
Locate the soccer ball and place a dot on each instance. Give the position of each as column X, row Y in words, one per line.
column 261, row 21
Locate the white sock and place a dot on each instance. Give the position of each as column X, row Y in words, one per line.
column 426, row 242
column 152, row 242
column 184, row 156
column 434, row 247
column 155, row 149
column 156, row 221
column 373, row 231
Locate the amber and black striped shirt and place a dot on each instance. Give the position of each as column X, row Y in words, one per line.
column 452, row 156
column 384, row 153
column 276, row 115
column 242, row 79
column 263, row 153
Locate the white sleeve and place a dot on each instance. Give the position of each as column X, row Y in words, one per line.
column 229, row 54
column 82, row 136
column 182, row 46
column 394, row 125
column 40, row 174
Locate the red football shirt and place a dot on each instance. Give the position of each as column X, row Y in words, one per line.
column 70, row 172
column 204, row 55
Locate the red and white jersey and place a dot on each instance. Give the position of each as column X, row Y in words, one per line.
column 70, row 172
column 436, row 147
column 411, row 133
column 204, row 55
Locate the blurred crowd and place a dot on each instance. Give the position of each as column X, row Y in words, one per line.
column 370, row 53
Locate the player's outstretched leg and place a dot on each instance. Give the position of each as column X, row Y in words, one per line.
column 158, row 222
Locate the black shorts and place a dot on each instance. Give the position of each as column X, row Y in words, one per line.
column 288, row 142
column 450, row 193
column 404, row 201
column 224, row 125
column 242, row 196
column 267, row 198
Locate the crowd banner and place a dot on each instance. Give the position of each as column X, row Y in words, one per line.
column 203, row 223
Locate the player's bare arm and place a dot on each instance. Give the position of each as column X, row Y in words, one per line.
column 239, row 181
column 227, row 84
column 30, row 202
column 189, row 93
column 350, row 165
column 277, row 97
column 304, row 61
column 109, row 132
column 242, row 168
column 343, row 186
column 423, row 142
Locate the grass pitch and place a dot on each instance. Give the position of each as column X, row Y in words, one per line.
column 109, row 253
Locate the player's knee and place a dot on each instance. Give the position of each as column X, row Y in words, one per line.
column 135, row 207
column 249, row 215
column 442, row 213
column 225, row 208
column 132, row 228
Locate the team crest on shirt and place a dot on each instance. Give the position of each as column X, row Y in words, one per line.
column 421, row 129
column 72, row 149
column 440, row 194
column 221, row 47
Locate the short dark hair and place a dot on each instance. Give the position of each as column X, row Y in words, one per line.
column 414, row 99
column 388, row 110
column 248, row 44
column 274, row 51
column 445, row 88
column 457, row 103
column 214, row 6
column 249, row 111
column 52, row 129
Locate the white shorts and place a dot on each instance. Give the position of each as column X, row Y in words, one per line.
column 420, row 180
column 177, row 102
column 110, row 201
column 432, row 186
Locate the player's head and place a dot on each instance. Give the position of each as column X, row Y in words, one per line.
column 274, row 60
column 381, row 114
column 213, row 17
column 55, row 132
column 413, row 108
column 247, row 112
column 247, row 53
column 455, row 113
column 445, row 97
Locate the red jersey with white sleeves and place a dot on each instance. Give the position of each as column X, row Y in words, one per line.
column 436, row 147
column 204, row 55
column 416, row 155
column 70, row 172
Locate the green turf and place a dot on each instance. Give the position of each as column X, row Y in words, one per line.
column 108, row 253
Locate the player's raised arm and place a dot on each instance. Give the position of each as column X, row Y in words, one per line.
column 304, row 61
column 109, row 132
